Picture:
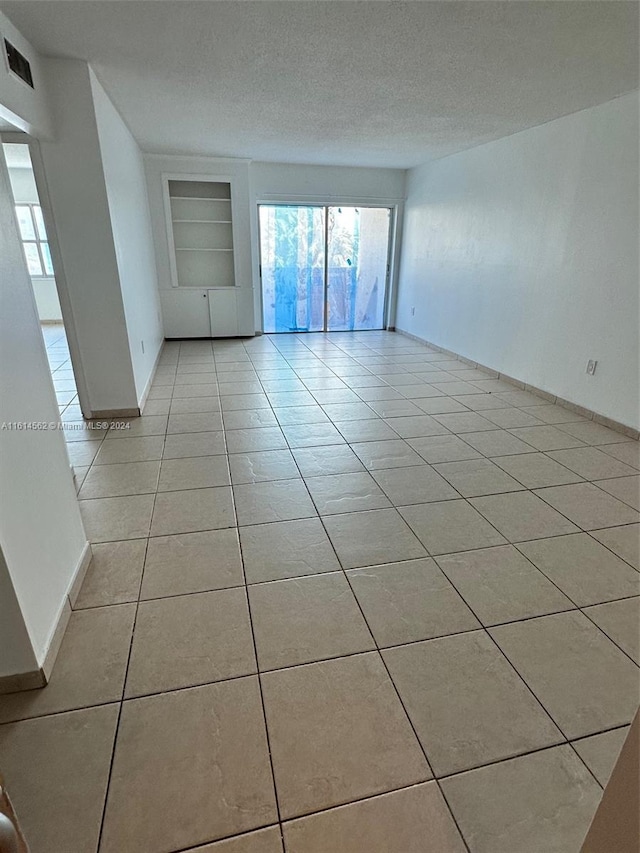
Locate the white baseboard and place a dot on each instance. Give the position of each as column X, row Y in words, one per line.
column 107, row 414
column 631, row 432
column 79, row 575
column 22, row 681
column 152, row 375
column 65, row 611
column 56, row 640
column 39, row 677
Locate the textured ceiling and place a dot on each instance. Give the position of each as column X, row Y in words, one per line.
column 354, row 83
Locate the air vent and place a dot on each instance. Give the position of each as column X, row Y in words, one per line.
column 18, row 63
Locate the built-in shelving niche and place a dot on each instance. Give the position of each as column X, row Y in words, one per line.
column 201, row 219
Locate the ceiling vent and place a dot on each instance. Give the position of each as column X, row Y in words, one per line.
column 18, row 64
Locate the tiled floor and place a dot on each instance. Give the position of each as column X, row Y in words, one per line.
column 61, row 370
column 348, row 595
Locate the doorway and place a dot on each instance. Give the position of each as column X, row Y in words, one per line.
column 37, row 253
column 324, row 268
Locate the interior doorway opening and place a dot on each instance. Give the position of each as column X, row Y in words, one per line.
column 324, row 268
column 35, row 244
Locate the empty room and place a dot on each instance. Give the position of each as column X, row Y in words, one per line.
column 319, row 420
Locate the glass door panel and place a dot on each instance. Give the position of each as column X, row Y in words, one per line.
column 323, row 268
column 292, row 248
column 357, row 259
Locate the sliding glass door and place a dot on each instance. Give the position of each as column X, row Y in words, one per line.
column 292, row 244
column 323, row 268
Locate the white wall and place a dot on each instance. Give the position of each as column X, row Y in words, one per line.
column 275, row 180
column 522, row 255
column 131, row 225
column 282, row 182
column 26, row 108
column 76, row 187
column 185, row 310
column 41, row 534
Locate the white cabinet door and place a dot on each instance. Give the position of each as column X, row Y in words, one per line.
column 223, row 312
column 185, row 312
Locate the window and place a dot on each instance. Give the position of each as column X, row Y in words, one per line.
column 34, row 239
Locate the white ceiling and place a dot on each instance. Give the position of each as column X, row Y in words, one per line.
column 355, row 83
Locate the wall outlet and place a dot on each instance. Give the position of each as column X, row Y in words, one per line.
column 591, row 367
column 413, row 312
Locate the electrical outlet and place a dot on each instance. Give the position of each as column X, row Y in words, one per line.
column 591, row 367
column 413, row 312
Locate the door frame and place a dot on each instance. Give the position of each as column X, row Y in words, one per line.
column 59, row 276
column 395, row 208
column 260, row 204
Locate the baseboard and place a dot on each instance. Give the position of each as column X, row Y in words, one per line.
column 145, row 393
column 22, row 681
column 213, row 340
column 39, row 677
column 106, row 414
column 65, row 611
column 79, row 575
column 589, row 414
column 56, row 640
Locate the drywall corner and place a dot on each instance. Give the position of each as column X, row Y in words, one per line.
column 126, row 188
column 76, row 188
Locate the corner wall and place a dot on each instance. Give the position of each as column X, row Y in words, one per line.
column 87, row 265
column 42, row 539
column 18, row 656
column 126, row 187
column 522, row 255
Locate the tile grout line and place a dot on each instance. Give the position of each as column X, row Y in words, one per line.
column 121, row 701
column 332, row 571
column 397, row 693
column 321, row 518
column 380, row 658
column 124, row 686
column 384, row 665
column 499, row 650
column 258, row 672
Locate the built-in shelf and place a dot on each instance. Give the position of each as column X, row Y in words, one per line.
column 211, row 221
column 201, row 225
column 201, row 220
column 199, row 198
